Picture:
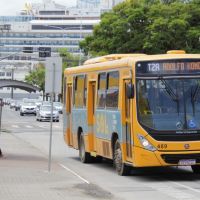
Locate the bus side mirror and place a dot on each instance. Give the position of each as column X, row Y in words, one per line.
column 130, row 91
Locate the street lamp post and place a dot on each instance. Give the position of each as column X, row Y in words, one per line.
column 63, row 29
column 58, row 27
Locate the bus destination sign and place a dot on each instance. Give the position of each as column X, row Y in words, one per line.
column 168, row 67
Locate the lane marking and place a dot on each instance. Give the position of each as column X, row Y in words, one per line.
column 187, row 187
column 169, row 190
column 40, row 126
column 27, row 126
column 71, row 171
column 15, row 126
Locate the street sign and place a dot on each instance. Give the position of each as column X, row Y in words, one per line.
column 44, row 52
column 1, row 105
column 53, row 81
column 53, row 73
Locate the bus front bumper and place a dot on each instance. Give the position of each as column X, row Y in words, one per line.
column 147, row 158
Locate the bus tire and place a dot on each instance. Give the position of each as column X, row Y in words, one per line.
column 120, row 167
column 196, row 169
column 85, row 157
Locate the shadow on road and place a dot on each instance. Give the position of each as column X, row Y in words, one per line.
column 151, row 174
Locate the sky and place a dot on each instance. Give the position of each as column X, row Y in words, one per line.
column 11, row 7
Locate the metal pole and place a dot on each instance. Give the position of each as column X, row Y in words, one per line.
column 51, row 124
column 12, row 87
column 1, row 104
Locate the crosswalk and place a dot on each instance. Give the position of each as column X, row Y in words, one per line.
column 34, row 127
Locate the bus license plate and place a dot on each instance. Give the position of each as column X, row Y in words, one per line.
column 187, row 162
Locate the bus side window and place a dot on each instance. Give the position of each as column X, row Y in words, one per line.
column 101, row 97
column 112, row 90
column 79, row 91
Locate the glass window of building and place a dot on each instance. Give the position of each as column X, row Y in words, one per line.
column 8, row 73
column 2, row 73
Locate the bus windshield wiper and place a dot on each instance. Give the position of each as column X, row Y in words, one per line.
column 170, row 92
column 194, row 96
column 169, row 89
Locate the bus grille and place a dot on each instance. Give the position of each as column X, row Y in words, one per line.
column 174, row 158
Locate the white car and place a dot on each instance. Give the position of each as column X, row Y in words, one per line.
column 58, row 106
column 44, row 114
column 28, row 108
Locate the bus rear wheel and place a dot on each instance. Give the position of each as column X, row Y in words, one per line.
column 85, row 157
column 196, row 169
column 120, row 167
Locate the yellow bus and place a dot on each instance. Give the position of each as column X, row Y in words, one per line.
column 138, row 110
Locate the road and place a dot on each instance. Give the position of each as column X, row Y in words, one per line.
column 152, row 183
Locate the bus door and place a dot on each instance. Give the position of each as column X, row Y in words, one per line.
column 69, row 114
column 91, row 115
column 127, row 121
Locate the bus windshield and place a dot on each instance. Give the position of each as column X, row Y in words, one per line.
column 169, row 104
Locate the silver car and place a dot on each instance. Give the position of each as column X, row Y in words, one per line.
column 58, row 106
column 28, row 108
column 44, row 114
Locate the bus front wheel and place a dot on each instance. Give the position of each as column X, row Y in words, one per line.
column 84, row 156
column 120, row 167
column 196, row 169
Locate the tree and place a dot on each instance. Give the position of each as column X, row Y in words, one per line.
column 37, row 77
column 151, row 27
column 69, row 60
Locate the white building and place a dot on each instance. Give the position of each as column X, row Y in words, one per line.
column 42, row 25
column 100, row 4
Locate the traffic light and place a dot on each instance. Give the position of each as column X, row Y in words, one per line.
column 44, row 52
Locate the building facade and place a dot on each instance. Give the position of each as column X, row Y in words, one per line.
column 41, row 25
column 100, row 4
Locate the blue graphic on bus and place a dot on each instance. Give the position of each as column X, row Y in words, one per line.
column 191, row 123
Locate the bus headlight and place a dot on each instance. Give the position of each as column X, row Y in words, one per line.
column 145, row 143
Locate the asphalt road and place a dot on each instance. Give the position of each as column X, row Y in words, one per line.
column 152, row 183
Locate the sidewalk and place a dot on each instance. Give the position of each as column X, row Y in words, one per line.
column 24, row 176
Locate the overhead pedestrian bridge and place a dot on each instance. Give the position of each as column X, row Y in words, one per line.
column 18, row 84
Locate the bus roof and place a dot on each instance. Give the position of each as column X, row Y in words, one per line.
column 124, row 60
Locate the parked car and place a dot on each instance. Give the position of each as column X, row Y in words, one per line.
column 58, row 106
column 46, row 103
column 28, row 108
column 44, row 114
column 38, row 102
